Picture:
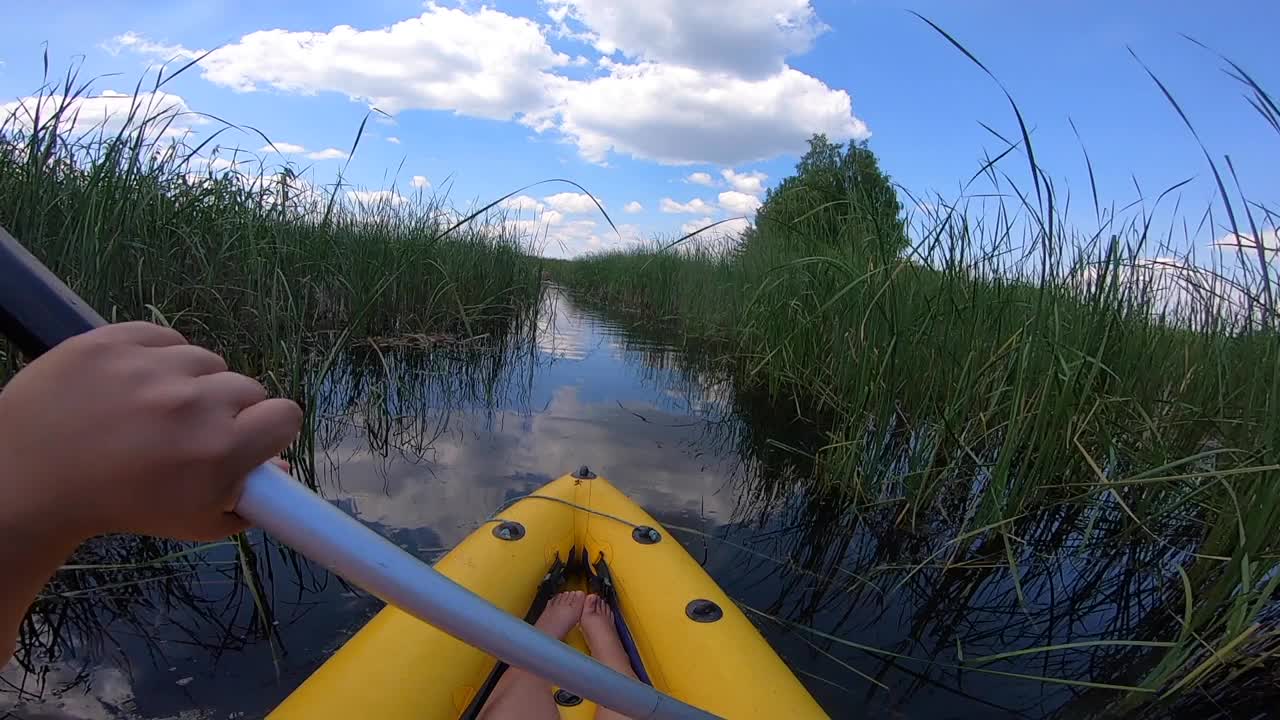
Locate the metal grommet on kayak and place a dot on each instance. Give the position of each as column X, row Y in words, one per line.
column 564, row 698
column 508, row 530
column 712, row 662
column 645, row 535
column 703, row 611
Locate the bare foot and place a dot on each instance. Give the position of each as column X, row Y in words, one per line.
column 561, row 613
column 602, row 635
column 520, row 693
column 602, row 639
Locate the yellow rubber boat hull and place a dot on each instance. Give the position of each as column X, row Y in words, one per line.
column 399, row 668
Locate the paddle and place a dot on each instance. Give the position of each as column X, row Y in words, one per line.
column 38, row 311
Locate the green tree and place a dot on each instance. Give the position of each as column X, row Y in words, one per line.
column 839, row 197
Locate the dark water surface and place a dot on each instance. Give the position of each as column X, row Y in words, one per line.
column 425, row 456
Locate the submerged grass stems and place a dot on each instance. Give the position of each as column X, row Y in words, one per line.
column 1010, row 363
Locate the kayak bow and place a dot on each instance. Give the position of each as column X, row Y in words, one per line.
column 684, row 634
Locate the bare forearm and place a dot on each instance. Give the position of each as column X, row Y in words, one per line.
column 30, row 555
column 124, row 429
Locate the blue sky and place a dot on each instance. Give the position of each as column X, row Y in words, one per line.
column 632, row 98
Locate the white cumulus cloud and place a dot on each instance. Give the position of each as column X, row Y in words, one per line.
column 748, row 37
column 140, row 44
column 521, row 203
column 420, row 181
column 283, row 148
column 219, row 164
column 571, row 202
column 739, row 203
column 680, row 115
column 575, row 237
column 1248, row 243
column 751, row 183
column 633, row 207
column 163, row 114
column 694, row 225
column 679, row 82
column 483, row 63
column 393, row 139
column 376, row 198
column 694, row 206
column 727, row 228
column 700, row 178
column 327, row 154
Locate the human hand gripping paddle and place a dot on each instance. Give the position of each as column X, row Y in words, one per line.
column 200, row 422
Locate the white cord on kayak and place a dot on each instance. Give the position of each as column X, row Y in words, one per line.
column 494, row 516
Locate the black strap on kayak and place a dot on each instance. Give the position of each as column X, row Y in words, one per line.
column 602, row 584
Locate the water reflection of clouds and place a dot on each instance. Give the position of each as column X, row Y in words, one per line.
column 473, row 472
column 101, row 698
column 589, row 409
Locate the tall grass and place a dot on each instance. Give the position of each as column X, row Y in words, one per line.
column 1012, row 363
column 282, row 275
column 241, row 256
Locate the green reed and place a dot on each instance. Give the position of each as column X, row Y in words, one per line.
column 1013, row 362
column 281, row 275
column 246, row 257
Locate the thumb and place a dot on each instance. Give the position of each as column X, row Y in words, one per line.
column 262, row 431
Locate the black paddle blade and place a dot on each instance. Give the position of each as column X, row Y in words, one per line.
column 37, row 310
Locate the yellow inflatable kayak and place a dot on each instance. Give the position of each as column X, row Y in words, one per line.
column 684, row 635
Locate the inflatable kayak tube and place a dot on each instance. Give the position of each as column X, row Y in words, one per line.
column 684, row 635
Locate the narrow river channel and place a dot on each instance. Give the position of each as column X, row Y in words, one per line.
column 423, row 446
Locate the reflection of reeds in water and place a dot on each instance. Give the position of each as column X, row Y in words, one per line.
column 119, row 591
column 560, row 334
column 389, row 399
column 1104, row 591
column 400, row 400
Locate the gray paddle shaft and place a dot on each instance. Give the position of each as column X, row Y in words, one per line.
column 38, row 311
column 306, row 522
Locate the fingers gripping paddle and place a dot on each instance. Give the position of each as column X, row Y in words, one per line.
column 38, row 311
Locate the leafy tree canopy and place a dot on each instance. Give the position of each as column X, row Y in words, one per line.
column 838, row 197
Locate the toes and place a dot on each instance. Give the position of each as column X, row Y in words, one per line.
column 572, row 599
